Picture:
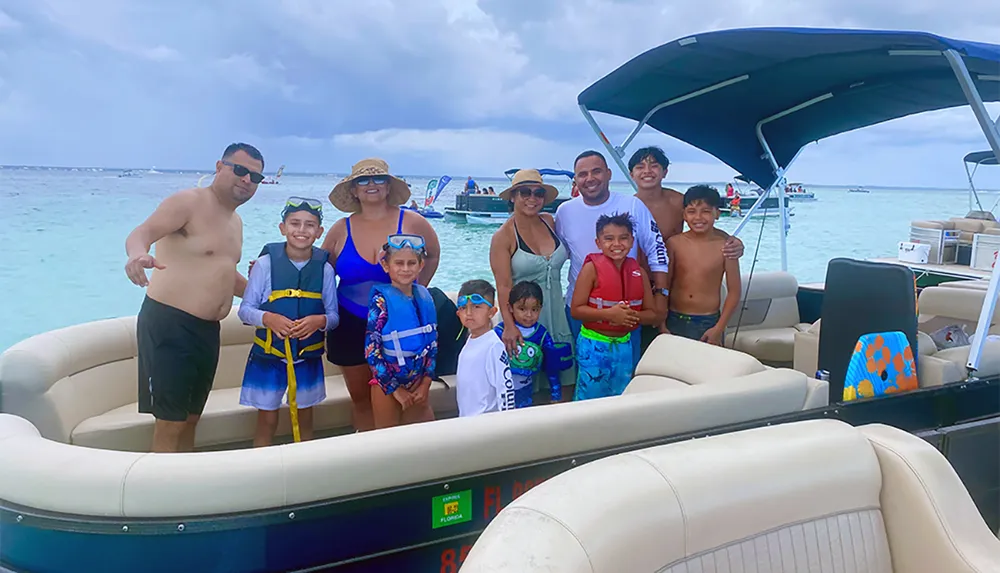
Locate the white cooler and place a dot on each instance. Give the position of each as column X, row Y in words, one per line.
column 914, row 252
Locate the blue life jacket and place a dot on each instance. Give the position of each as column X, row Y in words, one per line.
column 294, row 294
column 412, row 324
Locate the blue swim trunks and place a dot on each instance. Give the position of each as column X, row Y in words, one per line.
column 691, row 326
column 604, row 364
column 265, row 382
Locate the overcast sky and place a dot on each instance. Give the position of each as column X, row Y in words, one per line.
column 433, row 86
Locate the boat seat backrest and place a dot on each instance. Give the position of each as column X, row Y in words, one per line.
column 62, row 377
column 941, row 306
column 817, row 495
column 694, row 362
column 770, row 303
column 941, row 225
column 862, row 297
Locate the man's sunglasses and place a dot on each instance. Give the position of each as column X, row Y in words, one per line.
column 376, row 180
column 241, row 171
column 526, row 192
column 474, row 298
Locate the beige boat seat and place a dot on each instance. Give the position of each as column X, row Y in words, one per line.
column 770, row 318
column 938, row 307
column 968, row 228
column 940, row 225
column 673, row 362
column 78, row 385
column 818, row 495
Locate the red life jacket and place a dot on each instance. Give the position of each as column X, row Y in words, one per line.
column 614, row 286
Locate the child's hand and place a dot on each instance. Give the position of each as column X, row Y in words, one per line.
column 622, row 315
column 279, row 325
column 713, row 336
column 404, row 397
column 422, row 391
column 305, row 327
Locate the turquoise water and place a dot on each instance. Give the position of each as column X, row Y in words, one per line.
column 64, row 233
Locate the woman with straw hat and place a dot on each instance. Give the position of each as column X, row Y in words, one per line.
column 526, row 248
column 372, row 197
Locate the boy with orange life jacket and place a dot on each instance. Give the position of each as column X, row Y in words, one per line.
column 612, row 297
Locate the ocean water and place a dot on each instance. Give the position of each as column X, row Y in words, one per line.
column 64, row 233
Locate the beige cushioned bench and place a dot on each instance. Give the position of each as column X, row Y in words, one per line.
column 770, row 318
column 816, row 496
column 46, row 474
column 78, row 385
column 938, row 306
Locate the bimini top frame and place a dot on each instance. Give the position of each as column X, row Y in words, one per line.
column 753, row 98
column 977, row 158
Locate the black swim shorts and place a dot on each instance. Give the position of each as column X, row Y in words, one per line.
column 178, row 357
column 345, row 345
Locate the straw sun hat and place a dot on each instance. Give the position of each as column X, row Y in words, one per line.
column 344, row 199
column 529, row 178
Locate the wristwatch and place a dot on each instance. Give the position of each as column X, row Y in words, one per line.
column 664, row 292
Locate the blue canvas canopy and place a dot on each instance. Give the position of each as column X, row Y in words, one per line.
column 982, row 158
column 543, row 172
column 798, row 85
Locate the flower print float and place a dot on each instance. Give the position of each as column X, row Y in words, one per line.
column 882, row 364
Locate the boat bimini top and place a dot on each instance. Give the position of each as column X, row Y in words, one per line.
column 977, row 158
column 510, row 172
column 753, row 98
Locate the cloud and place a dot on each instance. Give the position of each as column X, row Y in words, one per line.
column 461, row 85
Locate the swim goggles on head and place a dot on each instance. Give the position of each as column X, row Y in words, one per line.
column 293, row 204
column 401, row 241
column 474, row 298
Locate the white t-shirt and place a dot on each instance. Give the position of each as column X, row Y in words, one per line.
column 576, row 226
column 483, row 377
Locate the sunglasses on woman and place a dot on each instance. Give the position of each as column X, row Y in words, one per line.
column 241, row 171
column 374, row 180
column 526, row 192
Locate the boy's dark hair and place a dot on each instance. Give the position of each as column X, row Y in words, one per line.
column 525, row 290
column 589, row 153
column 704, row 193
column 480, row 287
column 245, row 148
column 620, row 219
column 652, row 151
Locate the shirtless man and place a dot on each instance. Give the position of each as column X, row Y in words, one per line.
column 199, row 239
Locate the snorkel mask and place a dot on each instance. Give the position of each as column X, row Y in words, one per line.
column 294, row 204
column 404, row 241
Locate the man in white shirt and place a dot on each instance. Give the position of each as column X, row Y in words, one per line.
column 575, row 225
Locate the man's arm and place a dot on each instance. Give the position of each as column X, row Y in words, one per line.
column 649, row 314
column 652, row 244
column 170, row 216
column 239, row 289
column 733, row 247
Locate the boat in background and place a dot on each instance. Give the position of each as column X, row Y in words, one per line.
column 796, row 192
column 274, row 180
column 480, row 209
column 859, row 189
column 434, row 189
column 747, row 189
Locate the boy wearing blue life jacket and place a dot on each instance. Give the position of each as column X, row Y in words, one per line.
column 538, row 351
column 291, row 298
column 401, row 337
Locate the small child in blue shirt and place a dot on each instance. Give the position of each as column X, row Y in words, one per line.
column 538, row 352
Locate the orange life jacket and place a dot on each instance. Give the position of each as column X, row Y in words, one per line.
column 614, row 286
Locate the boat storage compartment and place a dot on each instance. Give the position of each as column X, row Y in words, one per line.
column 985, row 246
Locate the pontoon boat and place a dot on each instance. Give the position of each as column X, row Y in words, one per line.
column 491, row 209
column 78, row 493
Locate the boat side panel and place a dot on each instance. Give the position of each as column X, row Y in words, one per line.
column 393, row 530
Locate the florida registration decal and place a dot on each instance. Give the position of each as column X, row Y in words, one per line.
column 452, row 508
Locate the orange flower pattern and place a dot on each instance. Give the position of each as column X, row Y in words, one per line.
column 882, row 364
